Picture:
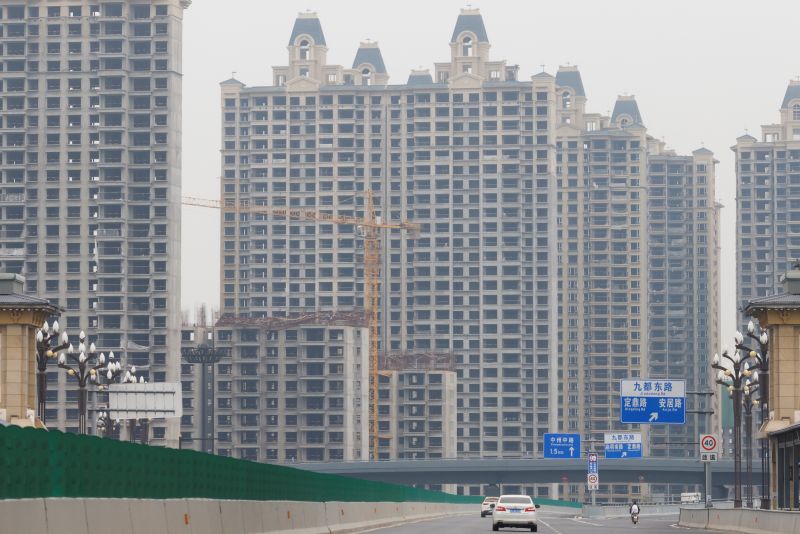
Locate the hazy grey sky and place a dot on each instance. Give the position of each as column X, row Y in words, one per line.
column 702, row 71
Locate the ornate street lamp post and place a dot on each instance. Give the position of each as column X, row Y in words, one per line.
column 47, row 347
column 761, row 356
column 732, row 376
column 207, row 356
column 106, row 424
column 112, row 372
column 86, row 371
column 750, row 387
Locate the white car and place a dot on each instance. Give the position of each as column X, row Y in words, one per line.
column 514, row 511
column 488, row 505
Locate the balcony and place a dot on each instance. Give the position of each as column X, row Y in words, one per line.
column 12, row 198
column 108, row 232
column 12, row 253
column 109, row 251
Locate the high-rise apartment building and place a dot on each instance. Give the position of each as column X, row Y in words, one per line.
column 684, row 286
column 768, row 203
column 417, row 410
column 638, row 243
column 284, row 390
column 602, row 250
column 90, row 189
column 531, row 266
column 767, row 208
column 468, row 153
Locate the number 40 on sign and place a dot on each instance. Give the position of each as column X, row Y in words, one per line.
column 709, row 448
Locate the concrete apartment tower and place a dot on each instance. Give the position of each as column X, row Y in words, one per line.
column 466, row 153
column 767, row 207
column 768, row 200
column 531, row 267
column 91, row 184
column 638, row 242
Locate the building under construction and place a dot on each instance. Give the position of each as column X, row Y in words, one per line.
column 417, row 405
column 285, row 389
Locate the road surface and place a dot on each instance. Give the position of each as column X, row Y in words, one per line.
column 549, row 523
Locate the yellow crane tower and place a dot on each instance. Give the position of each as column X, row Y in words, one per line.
column 368, row 227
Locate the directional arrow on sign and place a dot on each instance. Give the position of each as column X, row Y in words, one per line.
column 624, row 454
column 572, row 451
column 653, row 416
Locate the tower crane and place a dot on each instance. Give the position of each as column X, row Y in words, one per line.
column 368, row 227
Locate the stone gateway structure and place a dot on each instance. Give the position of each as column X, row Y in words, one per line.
column 20, row 317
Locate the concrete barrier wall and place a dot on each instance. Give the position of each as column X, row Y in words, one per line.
column 208, row 516
column 693, row 517
column 589, row 511
column 751, row 521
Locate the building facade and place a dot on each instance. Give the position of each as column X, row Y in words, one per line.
column 468, row 154
column 684, row 286
column 767, row 210
column 639, row 257
column 768, row 203
column 90, row 189
column 417, row 409
column 531, row 267
column 284, row 390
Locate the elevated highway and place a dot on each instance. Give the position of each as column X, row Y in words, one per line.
column 534, row 470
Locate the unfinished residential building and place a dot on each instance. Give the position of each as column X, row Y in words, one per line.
column 466, row 152
column 289, row 390
column 417, row 406
column 639, row 254
column 768, row 203
column 90, row 179
column 531, row 265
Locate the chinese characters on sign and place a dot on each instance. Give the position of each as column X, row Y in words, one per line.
column 562, row 445
column 623, row 444
column 653, row 401
column 709, row 448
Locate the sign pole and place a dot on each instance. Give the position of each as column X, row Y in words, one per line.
column 593, row 477
column 709, row 452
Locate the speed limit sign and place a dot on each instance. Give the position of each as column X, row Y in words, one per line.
column 709, row 448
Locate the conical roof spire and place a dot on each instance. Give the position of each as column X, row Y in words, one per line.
column 570, row 76
column 792, row 93
column 626, row 108
column 470, row 20
column 307, row 24
column 369, row 53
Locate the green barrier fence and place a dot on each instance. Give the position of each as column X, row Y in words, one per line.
column 41, row 463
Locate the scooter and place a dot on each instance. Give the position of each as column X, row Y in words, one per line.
column 635, row 517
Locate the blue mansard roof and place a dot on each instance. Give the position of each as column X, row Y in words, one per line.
column 371, row 55
column 470, row 20
column 308, row 24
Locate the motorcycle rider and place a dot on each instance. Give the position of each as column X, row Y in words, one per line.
column 633, row 510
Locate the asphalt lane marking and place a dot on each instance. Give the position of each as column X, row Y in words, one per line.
column 585, row 522
column 404, row 523
column 676, row 526
column 550, row 527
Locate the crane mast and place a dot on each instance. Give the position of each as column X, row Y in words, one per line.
column 369, row 228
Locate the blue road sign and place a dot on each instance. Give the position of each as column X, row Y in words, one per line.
column 562, row 445
column 652, row 401
column 592, row 467
column 623, row 445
